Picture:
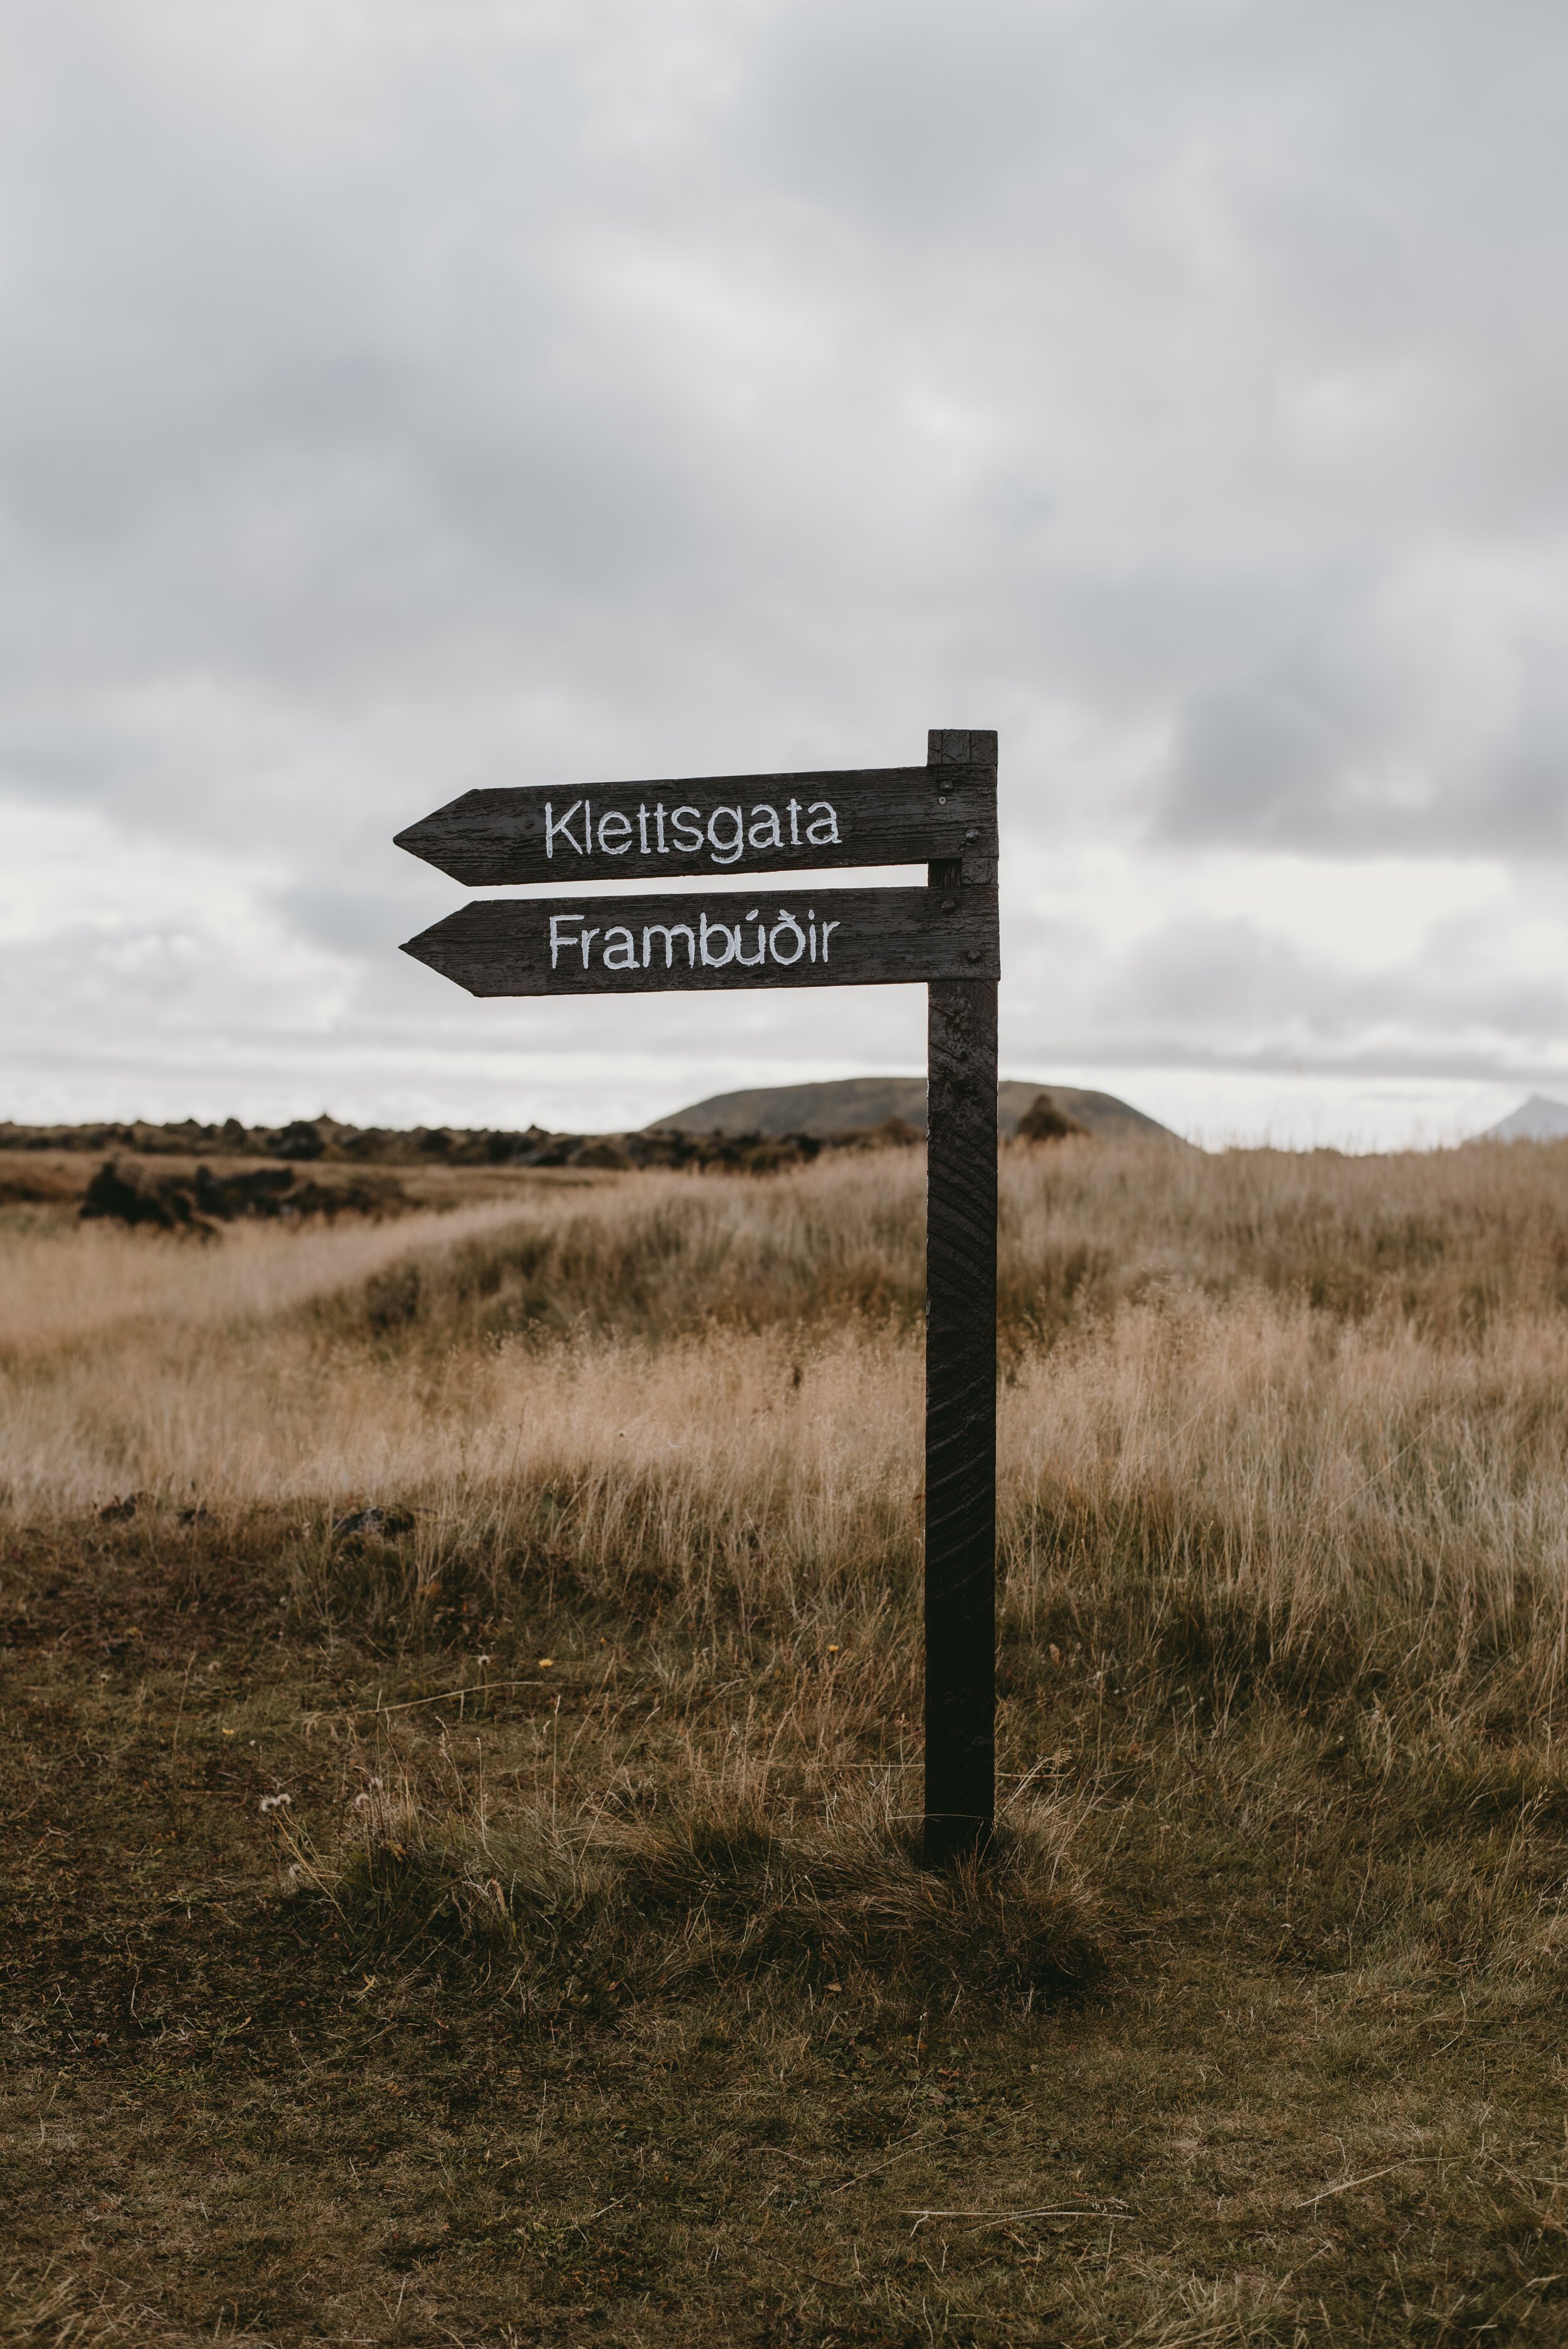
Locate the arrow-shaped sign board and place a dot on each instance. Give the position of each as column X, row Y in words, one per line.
column 717, row 823
column 786, row 938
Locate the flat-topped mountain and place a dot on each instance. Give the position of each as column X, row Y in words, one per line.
column 845, row 1102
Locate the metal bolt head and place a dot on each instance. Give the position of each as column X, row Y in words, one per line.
column 950, row 904
column 971, row 954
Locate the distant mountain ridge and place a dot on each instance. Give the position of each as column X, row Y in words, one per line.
column 1539, row 1119
column 841, row 1103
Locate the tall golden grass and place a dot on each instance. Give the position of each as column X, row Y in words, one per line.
column 66, row 1282
column 1295, row 1419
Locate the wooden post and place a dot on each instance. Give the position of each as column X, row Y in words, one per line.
column 960, row 1382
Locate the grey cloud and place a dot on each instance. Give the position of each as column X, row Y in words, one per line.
column 350, row 921
column 1259, row 1001
column 1343, row 755
column 911, row 135
column 408, row 398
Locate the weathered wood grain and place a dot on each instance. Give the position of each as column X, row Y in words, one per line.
column 960, row 1388
column 715, row 824
column 786, row 937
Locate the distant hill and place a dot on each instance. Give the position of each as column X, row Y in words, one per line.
column 848, row 1102
column 1539, row 1119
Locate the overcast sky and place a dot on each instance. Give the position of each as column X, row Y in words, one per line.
column 403, row 395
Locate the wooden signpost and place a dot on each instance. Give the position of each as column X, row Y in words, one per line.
column 786, row 932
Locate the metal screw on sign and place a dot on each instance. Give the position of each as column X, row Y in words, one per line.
column 790, row 933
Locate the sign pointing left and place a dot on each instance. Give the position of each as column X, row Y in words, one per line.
column 640, row 946
column 706, row 824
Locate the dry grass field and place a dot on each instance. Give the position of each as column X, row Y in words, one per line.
column 459, row 1755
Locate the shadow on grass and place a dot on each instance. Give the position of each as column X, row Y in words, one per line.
column 598, row 1912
